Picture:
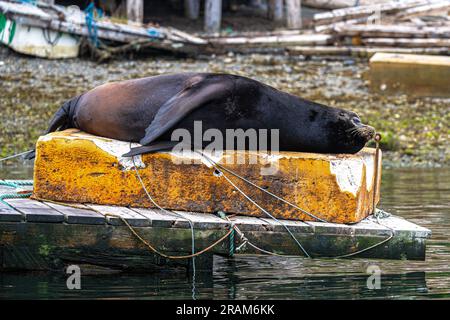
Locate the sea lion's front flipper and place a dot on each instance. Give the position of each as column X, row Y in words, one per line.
column 155, row 147
column 197, row 92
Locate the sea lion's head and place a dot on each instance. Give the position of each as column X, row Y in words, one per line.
column 347, row 133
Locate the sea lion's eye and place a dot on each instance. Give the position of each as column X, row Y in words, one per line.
column 356, row 120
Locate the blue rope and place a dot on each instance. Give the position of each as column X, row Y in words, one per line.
column 91, row 24
column 154, row 33
column 14, row 184
column 231, row 248
column 32, row 2
column 13, row 196
column 231, row 252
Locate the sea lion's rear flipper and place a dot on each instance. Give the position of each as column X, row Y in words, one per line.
column 155, row 147
column 60, row 121
column 198, row 91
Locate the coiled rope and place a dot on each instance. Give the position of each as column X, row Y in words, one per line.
column 15, row 195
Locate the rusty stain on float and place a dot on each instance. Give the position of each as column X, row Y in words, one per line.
column 77, row 167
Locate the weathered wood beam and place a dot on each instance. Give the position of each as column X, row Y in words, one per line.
column 391, row 31
column 360, row 51
column 300, row 39
column 338, row 4
column 293, row 14
column 359, row 11
column 438, row 7
column 135, row 10
column 407, row 42
column 213, row 15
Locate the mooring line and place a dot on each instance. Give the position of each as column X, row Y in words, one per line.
column 15, row 155
column 216, row 164
column 265, row 211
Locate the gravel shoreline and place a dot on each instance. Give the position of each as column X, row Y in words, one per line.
column 415, row 131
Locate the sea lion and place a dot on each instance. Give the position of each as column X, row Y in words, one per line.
column 148, row 110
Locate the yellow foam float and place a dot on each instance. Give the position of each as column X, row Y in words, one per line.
column 78, row 167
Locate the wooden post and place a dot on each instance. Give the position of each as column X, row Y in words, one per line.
column 192, row 9
column 293, row 14
column 213, row 15
column 135, row 10
column 275, row 10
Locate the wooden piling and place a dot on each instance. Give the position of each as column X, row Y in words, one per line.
column 192, row 9
column 135, row 10
column 275, row 10
column 293, row 14
column 213, row 15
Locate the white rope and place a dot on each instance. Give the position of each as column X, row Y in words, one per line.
column 178, row 215
column 215, row 164
column 15, row 155
column 263, row 210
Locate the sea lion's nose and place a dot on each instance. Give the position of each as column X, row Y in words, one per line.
column 370, row 131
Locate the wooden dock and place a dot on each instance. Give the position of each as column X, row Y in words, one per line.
column 39, row 235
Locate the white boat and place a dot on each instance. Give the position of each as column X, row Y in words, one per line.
column 53, row 31
column 34, row 40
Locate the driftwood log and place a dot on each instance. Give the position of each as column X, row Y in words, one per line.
column 407, row 43
column 391, row 31
column 365, row 11
column 360, row 51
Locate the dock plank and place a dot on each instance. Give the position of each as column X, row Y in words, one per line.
column 8, row 214
column 134, row 218
column 204, row 220
column 36, row 211
column 246, row 223
column 331, row 228
column 78, row 215
column 161, row 219
column 405, row 227
column 294, row 226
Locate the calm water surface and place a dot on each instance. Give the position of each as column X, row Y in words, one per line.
column 419, row 195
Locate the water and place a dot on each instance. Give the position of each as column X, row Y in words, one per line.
column 419, row 195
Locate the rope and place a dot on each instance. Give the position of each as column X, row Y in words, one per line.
column 243, row 238
column 231, row 252
column 378, row 215
column 169, row 256
column 47, row 37
column 221, row 174
column 167, row 211
column 215, row 164
column 377, row 139
column 91, row 24
column 32, row 2
column 13, row 196
column 16, row 183
column 15, row 155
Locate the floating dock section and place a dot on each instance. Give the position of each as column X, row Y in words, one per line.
column 89, row 207
column 40, row 235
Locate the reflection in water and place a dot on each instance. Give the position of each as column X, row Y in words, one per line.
column 420, row 195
